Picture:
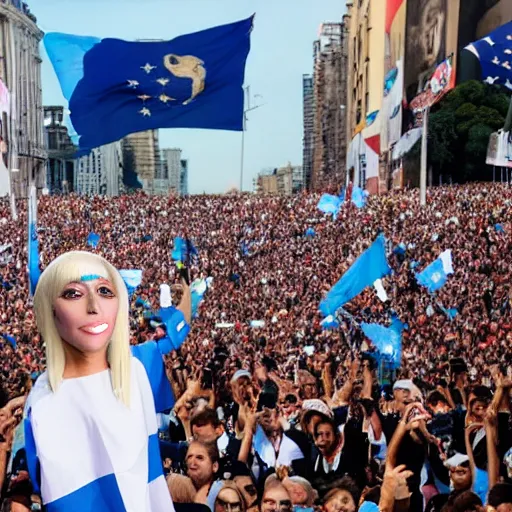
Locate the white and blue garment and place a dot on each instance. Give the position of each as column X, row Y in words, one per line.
column 87, row 451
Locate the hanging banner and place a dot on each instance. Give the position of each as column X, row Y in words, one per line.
column 440, row 83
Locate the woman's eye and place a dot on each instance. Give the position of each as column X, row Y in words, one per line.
column 71, row 294
column 106, row 292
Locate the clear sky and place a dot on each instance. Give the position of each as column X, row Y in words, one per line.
column 282, row 50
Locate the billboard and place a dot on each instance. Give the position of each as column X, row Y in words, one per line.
column 425, row 42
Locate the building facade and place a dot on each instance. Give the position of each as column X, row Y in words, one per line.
column 329, row 105
column 100, row 172
column 284, row 181
column 141, row 158
column 60, row 166
column 171, row 162
column 22, row 111
column 184, row 178
column 366, row 64
column 308, row 112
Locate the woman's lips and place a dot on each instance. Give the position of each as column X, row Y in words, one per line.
column 94, row 329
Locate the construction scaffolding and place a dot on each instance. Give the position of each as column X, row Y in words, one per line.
column 329, row 103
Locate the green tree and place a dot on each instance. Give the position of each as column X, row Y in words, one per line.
column 459, row 129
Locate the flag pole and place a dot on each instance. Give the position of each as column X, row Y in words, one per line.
column 424, row 149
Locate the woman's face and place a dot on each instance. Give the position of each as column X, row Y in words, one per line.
column 85, row 314
column 228, row 500
column 342, row 501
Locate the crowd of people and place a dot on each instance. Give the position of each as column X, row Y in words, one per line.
column 273, row 411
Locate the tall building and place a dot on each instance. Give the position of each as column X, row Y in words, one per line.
column 21, row 104
column 60, row 166
column 329, row 100
column 100, row 172
column 366, row 63
column 184, row 178
column 308, row 113
column 172, row 162
column 285, row 180
column 141, row 158
column 419, row 35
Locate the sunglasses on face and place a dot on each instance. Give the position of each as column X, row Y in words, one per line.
column 274, row 506
column 229, row 507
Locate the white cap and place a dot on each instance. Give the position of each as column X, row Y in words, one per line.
column 403, row 384
column 241, row 373
column 165, row 296
column 457, row 460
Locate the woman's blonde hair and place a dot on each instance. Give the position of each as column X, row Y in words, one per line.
column 72, row 267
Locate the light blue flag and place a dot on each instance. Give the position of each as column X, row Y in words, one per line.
column 117, row 87
column 310, row 233
column 387, row 340
column 450, row 313
column 329, row 204
column 197, row 290
column 132, row 279
column 499, row 228
column 370, row 266
column 183, row 250
column 93, row 240
column 435, row 276
column 329, row 323
column 359, row 197
column 34, row 271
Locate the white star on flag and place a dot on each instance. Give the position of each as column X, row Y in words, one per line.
column 144, row 97
column 165, row 99
column 148, row 68
column 145, row 112
column 163, row 81
column 133, row 84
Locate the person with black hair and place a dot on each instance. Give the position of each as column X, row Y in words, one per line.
column 500, row 497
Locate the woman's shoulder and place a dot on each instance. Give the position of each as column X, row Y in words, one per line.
column 40, row 390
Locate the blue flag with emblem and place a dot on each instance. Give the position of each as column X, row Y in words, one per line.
column 117, row 87
column 435, row 276
column 34, row 272
column 495, row 55
column 371, row 265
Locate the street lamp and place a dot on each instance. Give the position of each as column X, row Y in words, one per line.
column 244, row 127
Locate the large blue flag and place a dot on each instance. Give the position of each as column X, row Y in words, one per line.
column 494, row 53
column 370, row 266
column 387, row 340
column 435, row 276
column 34, row 272
column 117, row 87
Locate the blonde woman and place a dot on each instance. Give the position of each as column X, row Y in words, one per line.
column 90, row 428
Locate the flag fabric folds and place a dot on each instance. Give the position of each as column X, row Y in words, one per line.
column 435, row 276
column 117, row 87
column 33, row 242
column 93, row 240
column 370, row 266
column 494, row 53
column 387, row 340
column 329, row 204
column 197, row 290
column 329, row 323
column 132, row 279
column 183, row 250
column 359, row 197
